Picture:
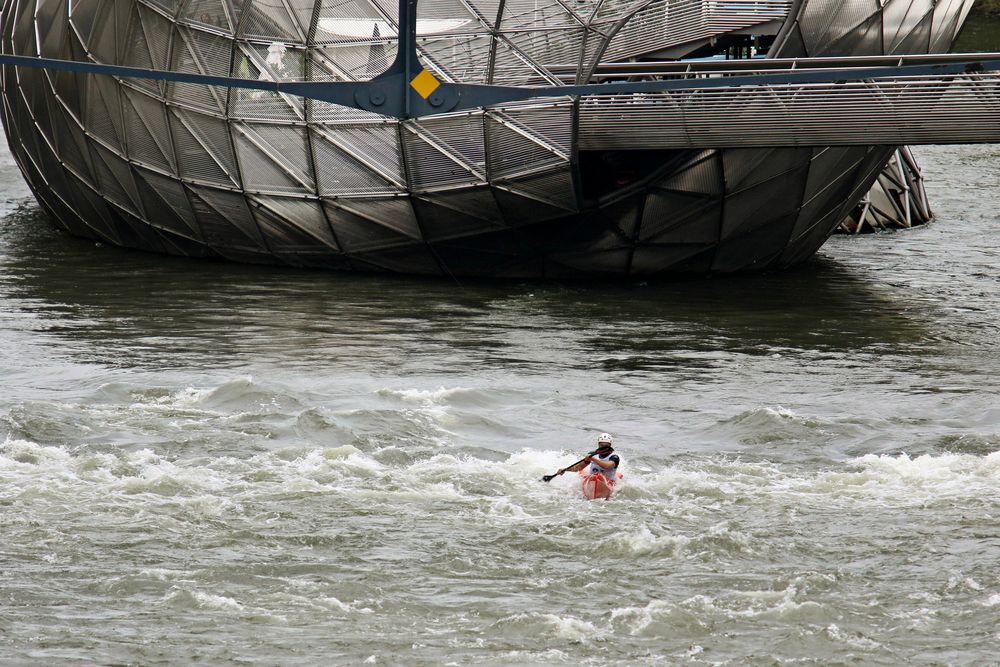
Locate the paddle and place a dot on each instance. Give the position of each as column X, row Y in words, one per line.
column 573, row 468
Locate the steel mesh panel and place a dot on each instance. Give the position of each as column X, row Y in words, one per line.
column 867, row 37
column 93, row 209
column 479, row 203
column 747, row 168
column 764, row 204
column 393, row 212
column 431, row 165
column 274, row 158
column 947, row 21
column 146, row 131
column 463, row 58
column 461, row 137
column 554, row 188
column 673, row 217
column 828, row 20
column 195, row 159
column 71, row 144
column 149, row 26
column 762, row 245
column 52, row 28
column 201, row 53
column 511, row 67
column 296, row 224
column 102, row 114
column 161, row 195
column 225, row 220
column 901, row 19
column 514, row 151
column 82, row 18
column 376, row 146
column 270, row 20
column 357, row 234
column 442, row 223
column 23, row 34
column 214, row 143
column 519, row 209
column 917, row 40
column 701, row 173
column 111, row 183
column 169, row 7
column 339, row 173
column 207, row 13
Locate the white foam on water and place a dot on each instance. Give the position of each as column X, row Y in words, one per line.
column 201, row 600
column 427, row 396
column 636, row 620
column 853, row 640
column 567, row 628
column 992, row 601
column 766, row 604
column 331, row 602
column 643, row 542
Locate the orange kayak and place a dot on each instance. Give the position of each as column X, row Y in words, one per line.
column 597, row 486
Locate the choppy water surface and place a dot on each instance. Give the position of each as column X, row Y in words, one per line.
column 222, row 464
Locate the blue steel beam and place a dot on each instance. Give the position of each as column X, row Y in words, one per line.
column 391, row 96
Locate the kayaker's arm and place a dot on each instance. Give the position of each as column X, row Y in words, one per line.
column 578, row 466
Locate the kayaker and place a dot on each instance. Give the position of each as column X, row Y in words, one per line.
column 603, row 459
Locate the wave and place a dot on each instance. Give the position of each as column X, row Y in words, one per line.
column 446, row 475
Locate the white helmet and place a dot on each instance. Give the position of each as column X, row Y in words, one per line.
column 604, row 437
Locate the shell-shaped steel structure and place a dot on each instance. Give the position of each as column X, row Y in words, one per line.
column 265, row 177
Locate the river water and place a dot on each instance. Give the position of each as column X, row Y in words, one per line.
column 220, row 464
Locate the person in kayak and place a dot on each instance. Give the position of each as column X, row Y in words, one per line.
column 604, row 460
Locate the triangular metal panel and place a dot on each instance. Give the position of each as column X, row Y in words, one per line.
column 754, row 250
column 763, row 204
column 441, row 223
column 210, row 13
column 294, row 225
column 111, row 187
column 147, row 131
column 166, row 204
column 671, row 217
column 199, row 52
column 556, row 188
column 901, row 18
column 269, row 21
column 396, row 213
column 225, row 221
column 50, row 22
column 212, row 143
column 702, row 175
column 357, row 234
column 917, row 40
column 513, row 152
column 341, row 174
column 375, row 145
column 273, row 158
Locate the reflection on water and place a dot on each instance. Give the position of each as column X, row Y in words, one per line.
column 981, row 34
column 122, row 307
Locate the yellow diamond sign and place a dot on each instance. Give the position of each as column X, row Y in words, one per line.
column 425, row 84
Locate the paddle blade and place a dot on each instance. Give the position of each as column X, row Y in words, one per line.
column 547, row 478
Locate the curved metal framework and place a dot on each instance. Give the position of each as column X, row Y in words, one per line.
column 308, row 132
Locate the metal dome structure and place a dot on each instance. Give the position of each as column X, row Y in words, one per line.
column 543, row 187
